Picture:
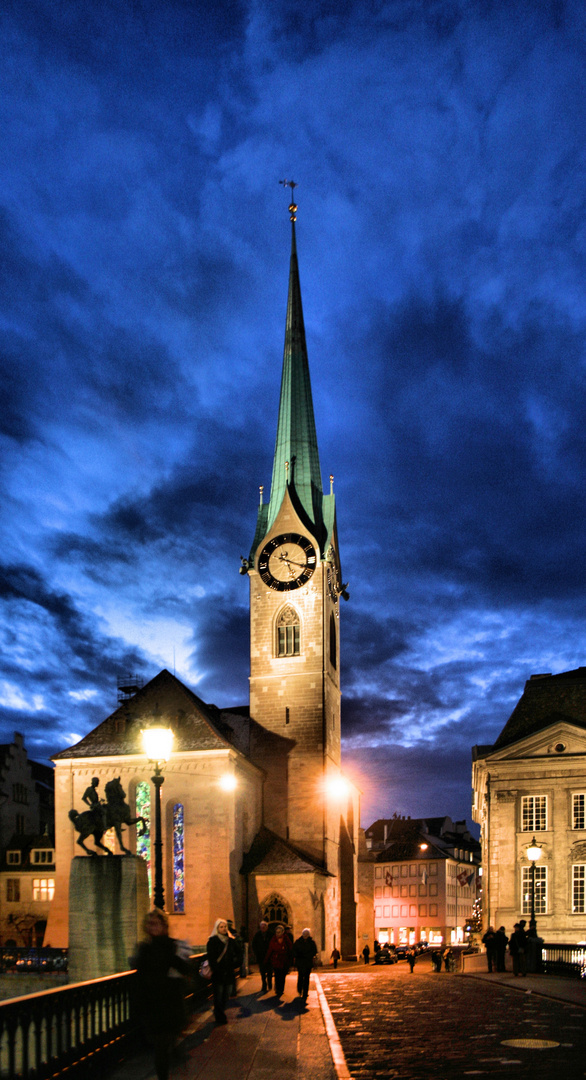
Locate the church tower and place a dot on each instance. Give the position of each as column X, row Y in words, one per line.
column 295, row 585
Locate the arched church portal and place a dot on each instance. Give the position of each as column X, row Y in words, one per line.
column 275, row 909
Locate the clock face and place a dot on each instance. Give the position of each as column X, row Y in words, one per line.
column 287, row 562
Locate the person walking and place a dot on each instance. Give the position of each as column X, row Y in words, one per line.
column 221, row 958
column 260, row 944
column 500, row 947
column 279, row 955
column 411, row 959
column 490, row 946
column 304, row 950
column 366, row 953
column 335, row 957
column 160, row 994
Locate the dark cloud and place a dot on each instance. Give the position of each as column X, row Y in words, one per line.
column 143, row 278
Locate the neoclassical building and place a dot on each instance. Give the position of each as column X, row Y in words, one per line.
column 257, row 819
column 532, row 783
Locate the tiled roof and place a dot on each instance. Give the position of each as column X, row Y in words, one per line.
column 546, row 699
column 270, row 854
column 197, row 726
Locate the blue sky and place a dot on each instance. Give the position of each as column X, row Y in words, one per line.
column 440, row 155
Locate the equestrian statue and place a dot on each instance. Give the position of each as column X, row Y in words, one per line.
column 102, row 815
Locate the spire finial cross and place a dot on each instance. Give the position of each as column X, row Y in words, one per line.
column 293, row 206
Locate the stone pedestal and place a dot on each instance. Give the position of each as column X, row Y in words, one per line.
column 108, row 899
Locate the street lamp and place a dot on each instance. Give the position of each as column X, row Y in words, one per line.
column 158, row 744
column 533, row 854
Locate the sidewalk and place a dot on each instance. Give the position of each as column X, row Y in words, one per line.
column 262, row 1040
column 549, row 986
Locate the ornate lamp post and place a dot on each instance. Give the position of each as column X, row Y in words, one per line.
column 158, row 744
column 533, row 854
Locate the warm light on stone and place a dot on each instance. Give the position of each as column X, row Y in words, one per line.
column 228, row 782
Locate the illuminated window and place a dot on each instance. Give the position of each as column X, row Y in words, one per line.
column 534, row 813
column 378, row 891
column 143, row 809
column 395, row 911
column 13, row 889
column 578, row 811
column 288, row 632
column 540, row 890
column 43, row 888
column 578, row 880
column 178, row 859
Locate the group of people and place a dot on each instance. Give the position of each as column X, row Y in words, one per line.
column 522, row 944
column 276, row 953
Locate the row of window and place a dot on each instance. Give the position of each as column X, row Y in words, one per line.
column 43, row 889
column 578, row 887
column 39, row 856
column 398, row 911
column 534, row 812
column 406, row 870
column 406, row 890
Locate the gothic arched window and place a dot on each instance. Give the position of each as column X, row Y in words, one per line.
column 288, row 632
column 178, row 859
column 143, row 809
column 274, row 909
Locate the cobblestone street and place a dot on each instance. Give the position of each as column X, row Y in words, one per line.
column 394, row 1025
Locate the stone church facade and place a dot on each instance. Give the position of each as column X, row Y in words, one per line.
column 257, row 819
column 531, row 783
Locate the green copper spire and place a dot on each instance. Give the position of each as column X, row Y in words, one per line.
column 296, row 467
column 296, row 461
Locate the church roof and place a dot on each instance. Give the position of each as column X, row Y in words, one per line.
column 546, row 699
column 270, row 854
column 296, row 467
column 196, row 726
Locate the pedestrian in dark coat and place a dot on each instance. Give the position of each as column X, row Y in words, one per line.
column 335, row 957
column 160, row 993
column 500, row 945
column 221, row 958
column 411, row 959
column 260, row 944
column 490, row 946
column 518, row 950
column 366, row 953
column 279, row 955
column 304, row 950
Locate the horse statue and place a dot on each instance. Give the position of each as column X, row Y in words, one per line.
column 113, row 813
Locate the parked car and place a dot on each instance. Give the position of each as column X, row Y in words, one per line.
column 385, row 956
column 401, row 952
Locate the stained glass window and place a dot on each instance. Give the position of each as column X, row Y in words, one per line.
column 143, row 809
column 178, row 859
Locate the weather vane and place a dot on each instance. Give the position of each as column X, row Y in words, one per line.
column 293, row 206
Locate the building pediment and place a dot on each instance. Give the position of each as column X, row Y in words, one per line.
column 560, row 737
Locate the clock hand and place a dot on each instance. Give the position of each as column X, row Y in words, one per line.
column 283, row 558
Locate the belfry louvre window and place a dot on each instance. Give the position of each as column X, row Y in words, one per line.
column 534, row 813
column 288, row 633
column 578, row 881
column 579, row 811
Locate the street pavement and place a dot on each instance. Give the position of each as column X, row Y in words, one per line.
column 396, row 1026
column 382, row 1023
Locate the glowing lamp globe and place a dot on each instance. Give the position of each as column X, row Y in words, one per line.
column 337, row 787
column 157, row 743
column 533, row 851
column 228, row 782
